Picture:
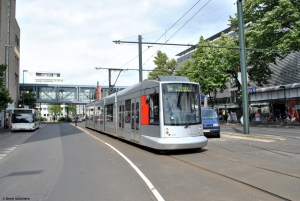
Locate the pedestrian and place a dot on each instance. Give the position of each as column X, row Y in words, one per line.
column 76, row 120
column 7, row 123
column 295, row 114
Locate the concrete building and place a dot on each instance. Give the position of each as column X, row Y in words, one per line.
column 282, row 91
column 10, row 49
column 44, row 77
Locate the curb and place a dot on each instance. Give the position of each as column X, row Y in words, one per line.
column 255, row 136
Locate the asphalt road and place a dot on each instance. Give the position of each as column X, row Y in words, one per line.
column 62, row 162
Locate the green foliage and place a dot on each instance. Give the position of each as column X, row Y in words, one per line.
column 271, row 25
column 185, row 67
column 165, row 67
column 71, row 108
column 4, row 93
column 63, row 119
column 54, row 109
column 29, row 98
column 213, row 66
column 43, row 119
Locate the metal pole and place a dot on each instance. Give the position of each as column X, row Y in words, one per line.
column 109, row 81
column 243, row 66
column 140, row 60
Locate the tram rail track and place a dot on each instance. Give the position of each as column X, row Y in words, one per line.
column 265, row 149
column 231, row 178
column 251, row 185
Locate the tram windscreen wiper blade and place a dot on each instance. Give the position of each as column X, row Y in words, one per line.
column 186, row 125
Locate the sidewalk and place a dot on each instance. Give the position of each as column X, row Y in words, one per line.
column 262, row 124
column 4, row 131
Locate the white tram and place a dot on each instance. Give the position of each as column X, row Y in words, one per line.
column 164, row 114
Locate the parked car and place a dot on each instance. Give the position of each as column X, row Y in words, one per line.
column 211, row 122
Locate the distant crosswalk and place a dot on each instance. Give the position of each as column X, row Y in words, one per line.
column 5, row 152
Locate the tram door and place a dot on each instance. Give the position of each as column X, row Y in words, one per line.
column 120, row 118
column 137, row 119
column 135, row 108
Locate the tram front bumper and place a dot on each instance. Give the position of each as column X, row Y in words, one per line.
column 174, row 143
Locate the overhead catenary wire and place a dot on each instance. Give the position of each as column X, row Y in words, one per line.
column 188, row 20
column 143, row 34
column 172, row 27
column 175, row 24
column 212, row 23
column 179, row 19
column 180, row 27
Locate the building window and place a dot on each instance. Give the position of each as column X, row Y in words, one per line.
column 17, row 40
column 17, row 62
column 16, row 80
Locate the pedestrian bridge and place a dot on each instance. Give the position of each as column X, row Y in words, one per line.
column 69, row 94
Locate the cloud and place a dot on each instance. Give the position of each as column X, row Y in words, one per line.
column 74, row 37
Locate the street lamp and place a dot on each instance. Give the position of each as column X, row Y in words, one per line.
column 23, row 87
column 283, row 87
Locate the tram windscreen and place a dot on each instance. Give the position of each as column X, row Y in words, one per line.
column 22, row 118
column 181, row 102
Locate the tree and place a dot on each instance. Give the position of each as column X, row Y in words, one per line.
column 271, row 25
column 212, row 67
column 5, row 97
column 184, row 68
column 164, row 67
column 29, row 98
column 55, row 109
column 72, row 108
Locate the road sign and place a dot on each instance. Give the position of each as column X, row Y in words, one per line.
column 252, row 90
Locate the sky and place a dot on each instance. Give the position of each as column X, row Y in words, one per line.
column 73, row 37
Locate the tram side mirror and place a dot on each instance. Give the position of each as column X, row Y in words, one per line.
column 147, row 99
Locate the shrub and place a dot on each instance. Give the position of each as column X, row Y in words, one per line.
column 63, row 119
column 43, row 119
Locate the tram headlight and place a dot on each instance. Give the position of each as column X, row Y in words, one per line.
column 167, row 131
column 200, row 130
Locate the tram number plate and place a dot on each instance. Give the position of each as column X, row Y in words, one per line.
column 206, row 131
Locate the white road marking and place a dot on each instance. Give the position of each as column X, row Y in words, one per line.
column 283, row 131
column 146, row 180
column 5, row 152
column 249, row 138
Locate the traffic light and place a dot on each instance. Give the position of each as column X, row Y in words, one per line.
column 240, row 95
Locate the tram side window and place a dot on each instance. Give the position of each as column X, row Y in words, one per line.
column 120, row 122
column 122, row 116
column 154, row 109
column 127, row 111
column 137, row 116
column 109, row 113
